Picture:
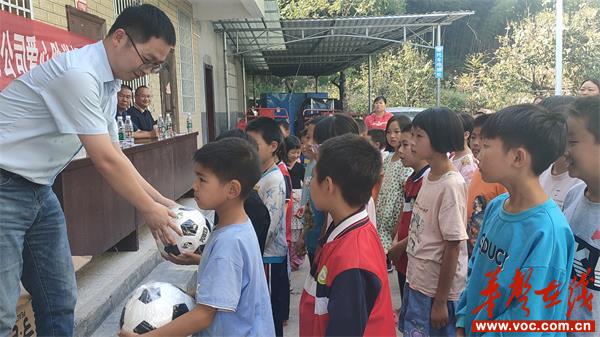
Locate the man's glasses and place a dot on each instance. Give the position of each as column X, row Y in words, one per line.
column 154, row 68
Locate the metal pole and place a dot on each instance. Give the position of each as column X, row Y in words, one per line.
column 226, row 78
column 438, row 80
column 316, row 83
column 369, row 91
column 559, row 48
column 253, row 90
column 244, row 85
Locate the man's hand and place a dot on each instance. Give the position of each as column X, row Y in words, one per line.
column 439, row 314
column 169, row 203
column 460, row 332
column 159, row 218
column 184, row 259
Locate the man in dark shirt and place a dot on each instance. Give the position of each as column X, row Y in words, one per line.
column 123, row 101
column 143, row 122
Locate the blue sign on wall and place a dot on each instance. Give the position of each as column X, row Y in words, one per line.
column 439, row 61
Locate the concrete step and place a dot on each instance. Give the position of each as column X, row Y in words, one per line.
column 182, row 276
column 105, row 282
column 107, row 279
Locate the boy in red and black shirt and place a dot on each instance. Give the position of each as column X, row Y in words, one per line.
column 411, row 190
column 347, row 292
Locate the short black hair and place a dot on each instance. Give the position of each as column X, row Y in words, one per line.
column 284, row 123
column 314, row 120
column 231, row 159
column 543, row 134
column 378, row 136
column 467, row 121
column 353, row 164
column 407, row 128
column 593, row 80
column 362, row 127
column 292, row 143
column 125, row 86
column 269, row 131
column 443, row 127
column 237, row 133
column 143, row 22
column 588, row 108
column 137, row 90
column 480, row 120
column 556, row 103
column 379, row 98
column 335, row 125
column 401, row 119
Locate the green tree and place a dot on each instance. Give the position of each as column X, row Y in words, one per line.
column 404, row 76
column 302, row 9
column 523, row 66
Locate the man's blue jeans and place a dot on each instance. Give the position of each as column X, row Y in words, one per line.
column 34, row 249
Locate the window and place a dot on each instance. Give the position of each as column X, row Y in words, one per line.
column 19, row 7
column 120, row 5
column 186, row 54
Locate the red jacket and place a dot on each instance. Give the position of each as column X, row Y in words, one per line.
column 347, row 293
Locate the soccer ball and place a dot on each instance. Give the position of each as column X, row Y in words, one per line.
column 195, row 228
column 153, row 305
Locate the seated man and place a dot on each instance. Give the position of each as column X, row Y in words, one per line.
column 143, row 123
column 123, row 101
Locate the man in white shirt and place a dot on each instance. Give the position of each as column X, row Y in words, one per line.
column 46, row 116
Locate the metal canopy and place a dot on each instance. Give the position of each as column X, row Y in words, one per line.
column 315, row 47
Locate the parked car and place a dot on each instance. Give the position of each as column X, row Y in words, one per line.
column 409, row 111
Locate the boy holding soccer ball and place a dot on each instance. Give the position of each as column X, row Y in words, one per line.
column 232, row 294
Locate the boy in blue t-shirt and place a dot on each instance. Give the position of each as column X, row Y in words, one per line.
column 232, row 293
column 524, row 236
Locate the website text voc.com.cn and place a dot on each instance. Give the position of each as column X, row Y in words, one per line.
column 533, row 326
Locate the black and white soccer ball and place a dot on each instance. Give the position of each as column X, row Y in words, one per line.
column 153, row 305
column 195, row 228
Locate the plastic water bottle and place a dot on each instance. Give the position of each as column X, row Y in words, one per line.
column 121, row 128
column 189, row 123
column 161, row 128
column 169, row 123
column 129, row 131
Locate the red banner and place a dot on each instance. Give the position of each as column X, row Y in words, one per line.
column 25, row 43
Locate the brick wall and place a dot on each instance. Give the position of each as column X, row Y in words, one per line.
column 53, row 11
column 207, row 48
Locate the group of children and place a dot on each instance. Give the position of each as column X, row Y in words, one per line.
column 440, row 215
